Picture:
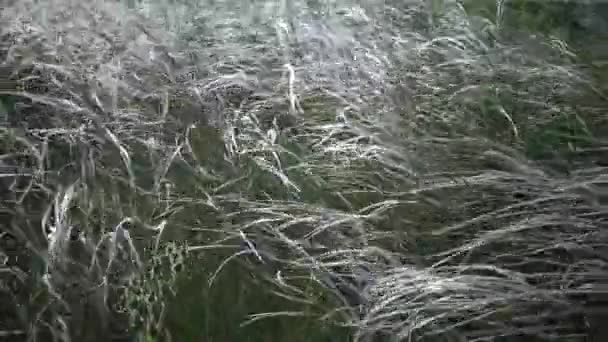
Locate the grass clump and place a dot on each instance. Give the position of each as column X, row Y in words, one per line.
column 307, row 171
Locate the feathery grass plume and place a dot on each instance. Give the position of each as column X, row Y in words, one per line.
column 376, row 170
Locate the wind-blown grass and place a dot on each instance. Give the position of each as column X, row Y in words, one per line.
column 303, row 170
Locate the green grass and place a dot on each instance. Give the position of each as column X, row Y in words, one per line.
column 194, row 316
column 200, row 313
column 211, row 199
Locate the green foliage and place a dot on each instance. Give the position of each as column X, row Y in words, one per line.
column 175, row 297
column 175, row 300
column 482, row 8
column 545, row 17
column 560, row 135
column 217, row 313
column 558, row 20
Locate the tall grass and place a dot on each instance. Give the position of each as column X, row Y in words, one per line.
column 300, row 170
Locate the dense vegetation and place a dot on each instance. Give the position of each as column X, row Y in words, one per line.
column 306, row 170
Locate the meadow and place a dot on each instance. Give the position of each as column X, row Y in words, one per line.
column 303, row 170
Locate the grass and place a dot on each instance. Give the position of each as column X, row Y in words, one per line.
column 242, row 297
column 338, row 177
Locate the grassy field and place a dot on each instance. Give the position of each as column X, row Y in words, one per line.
column 303, row 171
